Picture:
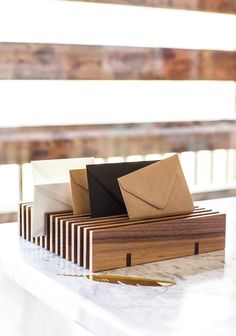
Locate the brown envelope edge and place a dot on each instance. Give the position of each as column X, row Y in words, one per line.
column 79, row 191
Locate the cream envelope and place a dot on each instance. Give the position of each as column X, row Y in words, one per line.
column 79, row 191
column 157, row 190
column 49, row 198
column 56, row 171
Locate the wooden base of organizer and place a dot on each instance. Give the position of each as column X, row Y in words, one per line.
column 113, row 242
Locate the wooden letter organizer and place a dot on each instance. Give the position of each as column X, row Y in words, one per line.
column 113, row 242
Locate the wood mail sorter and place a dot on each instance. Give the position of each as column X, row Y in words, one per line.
column 112, row 242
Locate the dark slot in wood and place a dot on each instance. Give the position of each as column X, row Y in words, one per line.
column 196, row 248
column 128, row 259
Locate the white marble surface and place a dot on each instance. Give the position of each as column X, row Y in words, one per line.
column 21, row 314
column 202, row 303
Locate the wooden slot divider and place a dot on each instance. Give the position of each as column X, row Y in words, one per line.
column 154, row 241
column 63, row 223
column 86, row 231
column 113, row 242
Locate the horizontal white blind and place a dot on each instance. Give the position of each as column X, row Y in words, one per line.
column 35, row 102
column 108, row 24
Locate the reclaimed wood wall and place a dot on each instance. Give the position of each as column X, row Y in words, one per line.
column 50, row 61
column 221, row 6
column 26, row 61
column 79, row 62
column 20, row 145
column 30, row 61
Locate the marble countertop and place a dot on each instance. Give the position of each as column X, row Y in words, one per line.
column 22, row 314
column 202, row 303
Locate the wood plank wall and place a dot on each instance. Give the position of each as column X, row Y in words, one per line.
column 222, row 6
column 21, row 145
column 51, row 61
column 79, row 62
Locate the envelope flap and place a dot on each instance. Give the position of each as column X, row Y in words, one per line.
column 154, row 183
column 79, row 177
column 59, row 192
column 107, row 178
column 106, row 175
column 56, row 171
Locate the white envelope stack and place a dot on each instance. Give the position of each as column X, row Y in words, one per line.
column 52, row 188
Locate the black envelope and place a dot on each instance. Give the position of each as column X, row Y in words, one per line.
column 104, row 191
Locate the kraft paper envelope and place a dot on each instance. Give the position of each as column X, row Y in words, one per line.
column 156, row 190
column 48, row 198
column 104, row 193
column 79, row 191
column 56, row 171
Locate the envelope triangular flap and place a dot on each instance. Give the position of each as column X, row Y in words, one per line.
column 47, row 198
column 106, row 175
column 56, row 171
column 154, row 183
column 79, row 177
column 55, row 192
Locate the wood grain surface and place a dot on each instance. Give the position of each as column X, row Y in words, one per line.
column 149, row 242
column 83, row 236
column 113, row 242
column 65, row 238
column 24, row 144
column 221, row 6
column 53, row 61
